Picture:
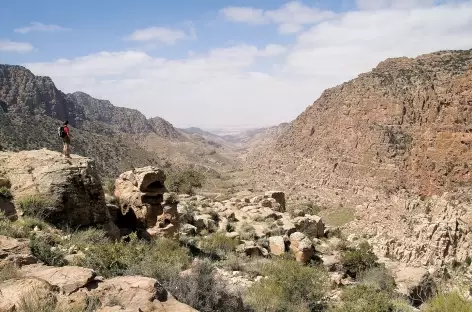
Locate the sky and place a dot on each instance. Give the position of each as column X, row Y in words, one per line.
column 221, row 63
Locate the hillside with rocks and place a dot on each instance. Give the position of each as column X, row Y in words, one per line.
column 141, row 248
column 391, row 148
column 32, row 109
column 403, row 126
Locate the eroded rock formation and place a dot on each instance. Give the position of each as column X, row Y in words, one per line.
column 141, row 194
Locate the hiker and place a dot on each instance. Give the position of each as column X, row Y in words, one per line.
column 64, row 133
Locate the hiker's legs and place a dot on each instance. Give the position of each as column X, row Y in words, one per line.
column 67, row 149
column 64, row 149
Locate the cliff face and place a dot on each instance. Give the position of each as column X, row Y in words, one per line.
column 24, row 93
column 404, row 125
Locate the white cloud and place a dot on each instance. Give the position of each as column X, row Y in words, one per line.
column 162, row 34
column 244, row 15
column 290, row 17
column 396, row 4
column 12, row 46
column 244, row 84
column 40, row 27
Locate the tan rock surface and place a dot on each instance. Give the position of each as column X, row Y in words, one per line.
column 67, row 279
column 71, row 185
column 135, row 292
column 12, row 291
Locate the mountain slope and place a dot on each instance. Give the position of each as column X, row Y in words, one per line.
column 404, row 125
column 31, row 109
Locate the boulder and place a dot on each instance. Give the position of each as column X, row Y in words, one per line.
column 279, row 198
column 71, row 187
column 301, row 247
column 141, row 193
column 205, row 222
column 313, row 226
column 138, row 293
column 14, row 290
column 277, row 245
column 67, row 279
column 188, row 229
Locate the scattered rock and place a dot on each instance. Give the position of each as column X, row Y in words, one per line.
column 277, row 245
column 279, row 198
column 301, row 247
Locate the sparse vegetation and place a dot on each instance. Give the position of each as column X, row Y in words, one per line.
column 378, row 278
column 289, row 287
column 356, row 261
column 35, row 206
column 337, row 217
column 247, row 231
column 185, row 181
column 218, row 245
column 84, row 238
column 201, row 289
column 8, row 271
column 109, row 186
column 452, row 302
column 5, row 193
column 45, row 248
column 363, row 298
column 162, row 259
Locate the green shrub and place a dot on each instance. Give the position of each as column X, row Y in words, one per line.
column 11, row 229
column 202, row 290
column 358, row 260
column 289, row 287
column 45, row 249
column 184, row 181
column 8, row 271
column 247, row 231
column 109, row 186
column 85, row 238
column 36, row 206
column 378, row 278
column 162, row 259
column 5, row 193
column 452, row 302
column 365, row 299
column 218, row 245
column 28, row 224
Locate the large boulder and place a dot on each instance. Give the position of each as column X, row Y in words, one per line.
column 279, row 198
column 139, row 294
column 71, row 186
column 13, row 291
column 301, row 247
column 66, row 279
column 312, row 226
column 141, row 193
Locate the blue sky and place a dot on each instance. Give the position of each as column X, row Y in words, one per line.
column 221, row 63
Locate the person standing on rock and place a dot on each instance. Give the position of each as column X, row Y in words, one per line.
column 64, row 133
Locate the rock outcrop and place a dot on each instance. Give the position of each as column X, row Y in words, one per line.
column 141, row 197
column 71, row 188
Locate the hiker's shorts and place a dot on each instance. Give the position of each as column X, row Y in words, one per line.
column 66, row 140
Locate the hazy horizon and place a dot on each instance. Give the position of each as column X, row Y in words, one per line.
column 227, row 65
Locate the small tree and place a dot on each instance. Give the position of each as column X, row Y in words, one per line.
column 185, row 181
column 358, row 260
